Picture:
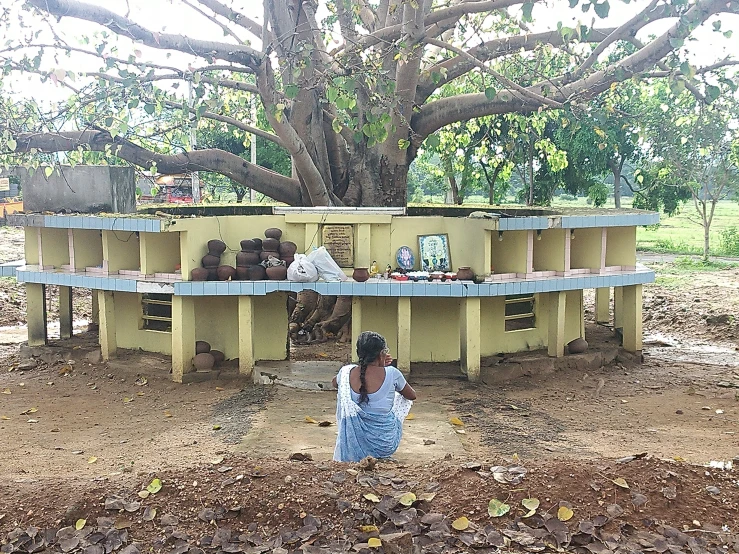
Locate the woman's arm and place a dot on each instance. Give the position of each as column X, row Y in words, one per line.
column 408, row 392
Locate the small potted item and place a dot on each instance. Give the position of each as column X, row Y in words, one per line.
column 216, row 247
column 273, row 233
column 436, row 275
column 226, row 273
column 361, row 274
column 450, row 275
column 465, row 273
column 287, row 248
column 199, row 274
column 271, row 244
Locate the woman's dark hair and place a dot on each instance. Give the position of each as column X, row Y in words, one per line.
column 369, row 346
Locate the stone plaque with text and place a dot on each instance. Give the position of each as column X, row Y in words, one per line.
column 339, row 241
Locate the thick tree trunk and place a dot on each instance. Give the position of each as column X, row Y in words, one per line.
column 706, row 240
column 617, row 185
column 393, row 183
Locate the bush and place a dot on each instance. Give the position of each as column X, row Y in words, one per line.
column 729, row 240
column 567, row 197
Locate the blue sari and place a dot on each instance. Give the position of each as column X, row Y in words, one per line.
column 363, row 434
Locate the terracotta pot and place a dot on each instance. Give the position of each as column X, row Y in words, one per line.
column 465, row 273
column 226, row 272
column 211, row 261
column 244, row 259
column 248, row 245
column 361, row 274
column 216, row 247
column 257, row 273
column 201, row 347
column 288, row 260
column 242, row 273
column 271, row 244
column 204, row 362
column 273, row 233
column 265, row 254
column 257, row 243
column 212, row 273
column 218, row 356
column 288, row 248
column 199, row 274
column 277, row 273
column 577, row 346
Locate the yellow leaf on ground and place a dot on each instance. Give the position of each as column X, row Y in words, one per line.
column 144, row 494
column 216, row 427
column 309, row 419
column 126, row 399
column 374, row 543
column 6, row 391
column 220, row 388
column 155, row 486
column 461, row 431
column 30, row 411
column 369, row 528
column 167, row 414
column 411, row 416
column 372, row 497
column 407, row 499
column 460, row 524
column 92, row 459
column 564, row 513
column 80, row 524
column 620, row 482
column 4, row 418
column 456, row 421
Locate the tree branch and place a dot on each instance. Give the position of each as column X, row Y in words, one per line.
column 274, row 185
column 235, row 53
column 215, row 20
column 232, row 15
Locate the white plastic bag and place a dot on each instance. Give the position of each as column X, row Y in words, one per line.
column 327, row 268
column 302, row 270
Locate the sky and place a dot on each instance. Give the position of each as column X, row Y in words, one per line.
column 175, row 17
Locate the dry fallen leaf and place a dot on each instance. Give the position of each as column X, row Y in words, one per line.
column 92, row 459
column 460, row 524
column 220, row 388
column 407, row 499
column 309, row 419
column 368, row 528
column 374, row 543
column 30, row 411
column 126, row 399
column 4, row 418
column 144, row 494
column 410, row 416
column 80, row 524
column 496, row 508
column 217, row 460
column 371, row 497
column 167, row 414
column 456, row 421
column 6, row 391
column 564, row 513
column 621, row 482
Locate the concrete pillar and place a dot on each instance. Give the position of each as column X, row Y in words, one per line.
column 632, row 318
column 357, row 324
column 36, row 313
column 246, row 335
column 183, row 336
column 404, row 334
column 556, row 343
column 603, row 305
column 65, row 312
column 488, row 252
column 469, row 346
column 106, row 334
column 618, row 307
column 95, row 315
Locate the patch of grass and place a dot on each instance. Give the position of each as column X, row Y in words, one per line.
column 693, row 264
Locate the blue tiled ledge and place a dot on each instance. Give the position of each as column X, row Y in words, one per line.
column 111, row 223
column 577, row 221
column 348, row 288
column 9, row 269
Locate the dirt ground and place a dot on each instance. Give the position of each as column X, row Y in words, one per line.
column 76, row 431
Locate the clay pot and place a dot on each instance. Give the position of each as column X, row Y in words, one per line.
column 244, row 259
column 211, row 261
column 201, row 347
column 226, row 272
column 257, row 273
column 465, row 273
column 273, row 245
column 216, row 247
column 218, row 356
column 242, row 273
column 265, row 255
column 361, row 274
column 277, row 273
column 204, row 361
column 199, row 274
column 257, row 243
column 288, row 248
column 288, row 260
column 577, row 346
column 212, row 273
column 248, row 245
column 273, row 233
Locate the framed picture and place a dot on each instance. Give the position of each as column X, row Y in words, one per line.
column 433, row 252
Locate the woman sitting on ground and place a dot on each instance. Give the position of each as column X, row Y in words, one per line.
column 373, row 401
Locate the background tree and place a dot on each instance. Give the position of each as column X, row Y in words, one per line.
column 350, row 95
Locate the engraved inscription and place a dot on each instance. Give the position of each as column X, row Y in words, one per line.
column 339, row 241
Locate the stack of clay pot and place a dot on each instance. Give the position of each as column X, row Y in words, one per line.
column 212, row 269
column 253, row 262
column 248, row 260
column 205, row 358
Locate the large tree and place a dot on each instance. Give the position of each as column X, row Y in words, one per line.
column 350, row 87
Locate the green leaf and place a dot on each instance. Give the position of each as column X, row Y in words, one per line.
column 687, row 70
column 602, row 9
column 728, row 33
column 433, row 141
column 151, row 108
column 155, row 486
column 332, row 93
column 12, row 144
column 48, row 170
column 712, row 92
column 403, row 144
column 677, row 42
column 291, row 91
column 336, row 126
column 574, row 3
column 526, row 9
column 490, row 93
column 496, row 508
